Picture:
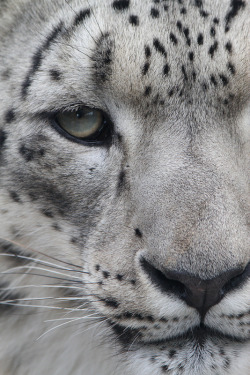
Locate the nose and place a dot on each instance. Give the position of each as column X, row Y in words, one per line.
column 198, row 293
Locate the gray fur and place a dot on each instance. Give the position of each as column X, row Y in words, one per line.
column 173, row 186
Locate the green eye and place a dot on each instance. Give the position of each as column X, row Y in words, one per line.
column 84, row 123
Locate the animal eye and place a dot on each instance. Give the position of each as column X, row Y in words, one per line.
column 85, row 124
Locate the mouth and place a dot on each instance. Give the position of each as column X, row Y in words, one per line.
column 198, row 336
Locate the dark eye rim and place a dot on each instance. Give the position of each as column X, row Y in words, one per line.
column 102, row 137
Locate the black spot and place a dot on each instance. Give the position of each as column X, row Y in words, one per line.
column 133, row 282
column 179, row 25
column 138, row 233
column 216, row 21
column 16, row 254
column 30, row 154
column 198, row 3
column 231, row 68
column 39, row 56
column 106, row 274
column 119, row 277
column 164, row 368
column 15, row 197
column 159, row 47
column 186, row 33
column 224, row 79
column 163, row 320
column 81, row 16
column 73, row 240
column 212, row 32
column 204, row 86
column 3, row 138
column 150, row 318
column 138, row 316
column 183, row 10
column 55, row 75
column 200, row 39
column 213, row 80
column 172, row 353
column 121, row 181
column 148, row 91
column 191, row 56
column 126, row 335
column 97, row 267
column 213, row 49
column 111, row 303
column 154, row 13
column 147, row 52
column 173, row 38
column 165, row 8
column 184, row 72
column 121, row 4
column 6, row 74
column 171, row 92
column 222, row 352
column 204, row 14
column 134, row 20
column 103, row 58
column 166, row 69
column 107, row 56
column 226, row 363
column 47, row 213
column 229, row 47
column 10, row 116
column 128, row 315
column 194, row 75
column 145, row 68
column 56, row 227
column 236, row 6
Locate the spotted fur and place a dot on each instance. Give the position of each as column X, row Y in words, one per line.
column 92, row 236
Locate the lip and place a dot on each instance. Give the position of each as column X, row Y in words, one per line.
column 198, row 336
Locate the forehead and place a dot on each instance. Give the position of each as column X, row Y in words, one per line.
column 168, row 52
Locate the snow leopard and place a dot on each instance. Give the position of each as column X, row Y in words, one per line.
column 124, row 187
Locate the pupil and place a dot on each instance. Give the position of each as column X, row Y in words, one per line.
column 79, row 114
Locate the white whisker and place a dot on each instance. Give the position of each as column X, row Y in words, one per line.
column 32, row 268
column 35, row 260
column 63, row 324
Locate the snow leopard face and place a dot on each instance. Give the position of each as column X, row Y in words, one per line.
column 124, row 187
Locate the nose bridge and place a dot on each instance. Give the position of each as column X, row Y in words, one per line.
column 191, row 220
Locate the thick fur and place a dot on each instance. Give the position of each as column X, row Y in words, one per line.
column 173, row 185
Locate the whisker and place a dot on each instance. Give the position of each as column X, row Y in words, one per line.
column 39, row 269
column 71, row 318
column 34, row 306
column 63, row 324
column 47, row 276
column 96, row 20
column 45, row 286
column 35, row 260
column 83, row 24
column 39, row 252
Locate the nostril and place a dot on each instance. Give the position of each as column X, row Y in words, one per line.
column 237, row 280
column 196, row 292
column 161, row 281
